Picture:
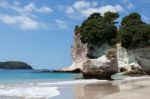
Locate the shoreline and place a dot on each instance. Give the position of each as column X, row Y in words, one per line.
column 117, row 89
column 78, row 89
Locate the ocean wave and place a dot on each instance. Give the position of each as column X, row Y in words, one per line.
column 38, row 90
column 30, row 92
column 75, row 82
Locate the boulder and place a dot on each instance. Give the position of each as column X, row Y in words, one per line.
column 102, row 67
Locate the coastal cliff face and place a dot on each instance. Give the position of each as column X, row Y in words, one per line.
column 102, row 59
column 142, row 57
column 82, row 52
column 100, row 49
column 89, row 58
column 79, row 54
column 126, row 58
column 138, row 59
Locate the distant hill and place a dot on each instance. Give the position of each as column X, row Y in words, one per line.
column 14, row 65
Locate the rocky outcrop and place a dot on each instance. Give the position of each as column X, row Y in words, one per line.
column 102, row 60
column 79, row 54
column 126, row 59
column 102, row 67
column 135, row 61
column 142, row 57
column 94, row 60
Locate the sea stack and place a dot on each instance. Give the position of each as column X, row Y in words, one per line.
column 101, row 49
column 93, row 51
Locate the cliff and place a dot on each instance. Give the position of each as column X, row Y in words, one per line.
column 135, row 60
column 100, row 49
column 79, row 54
column 14, row 65
column 94, row 51
column 93, row 59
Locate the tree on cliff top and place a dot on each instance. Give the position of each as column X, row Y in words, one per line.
column 134, row 32
column 98, row 28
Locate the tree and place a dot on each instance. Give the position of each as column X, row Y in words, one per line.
column 98, row 28
column 133, row 18
column 134, row 32
column 110, row 17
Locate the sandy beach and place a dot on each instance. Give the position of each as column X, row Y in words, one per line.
column 119, row 89
column 129, row 88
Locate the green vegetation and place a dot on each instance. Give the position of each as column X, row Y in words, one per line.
column 134, row 32
column 97, row 29
column 14, row 65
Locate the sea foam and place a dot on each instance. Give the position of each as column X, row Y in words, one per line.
column 30, row 92
column 75, row 82
column 39, row 90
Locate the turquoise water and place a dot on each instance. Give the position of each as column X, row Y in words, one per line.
column 20, row 76
column 32, row 84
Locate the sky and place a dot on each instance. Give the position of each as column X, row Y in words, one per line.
column 40, row 32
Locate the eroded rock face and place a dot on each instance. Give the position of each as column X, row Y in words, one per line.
column 82, row 52
column 142, row 56
column 102, row 67
column 94, row 60
column 102, row 60
column 79, row 54
column 126, row 59
column 135, row 61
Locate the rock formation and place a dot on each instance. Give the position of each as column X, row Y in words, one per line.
column 95, row 61
column 102, row 61
column 102, row 67
column 130, row 61
column 126, row 58
column 97, row 50
column 142, row 57
column 79, row 52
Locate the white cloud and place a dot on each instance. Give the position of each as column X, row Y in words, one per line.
column 24, row 16
column 85, row 8
column 130, row 5
column 61, row 24
column 84, row 4
column 102, row 9
column 70, row 10
column 31, row 7
column 23, row 22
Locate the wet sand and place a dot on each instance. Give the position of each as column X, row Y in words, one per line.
column 132, row 90
column 120, row 89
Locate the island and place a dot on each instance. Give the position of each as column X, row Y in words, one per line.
column 14, row 65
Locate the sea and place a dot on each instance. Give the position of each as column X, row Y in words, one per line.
column 27, row 76
column 32, row 84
